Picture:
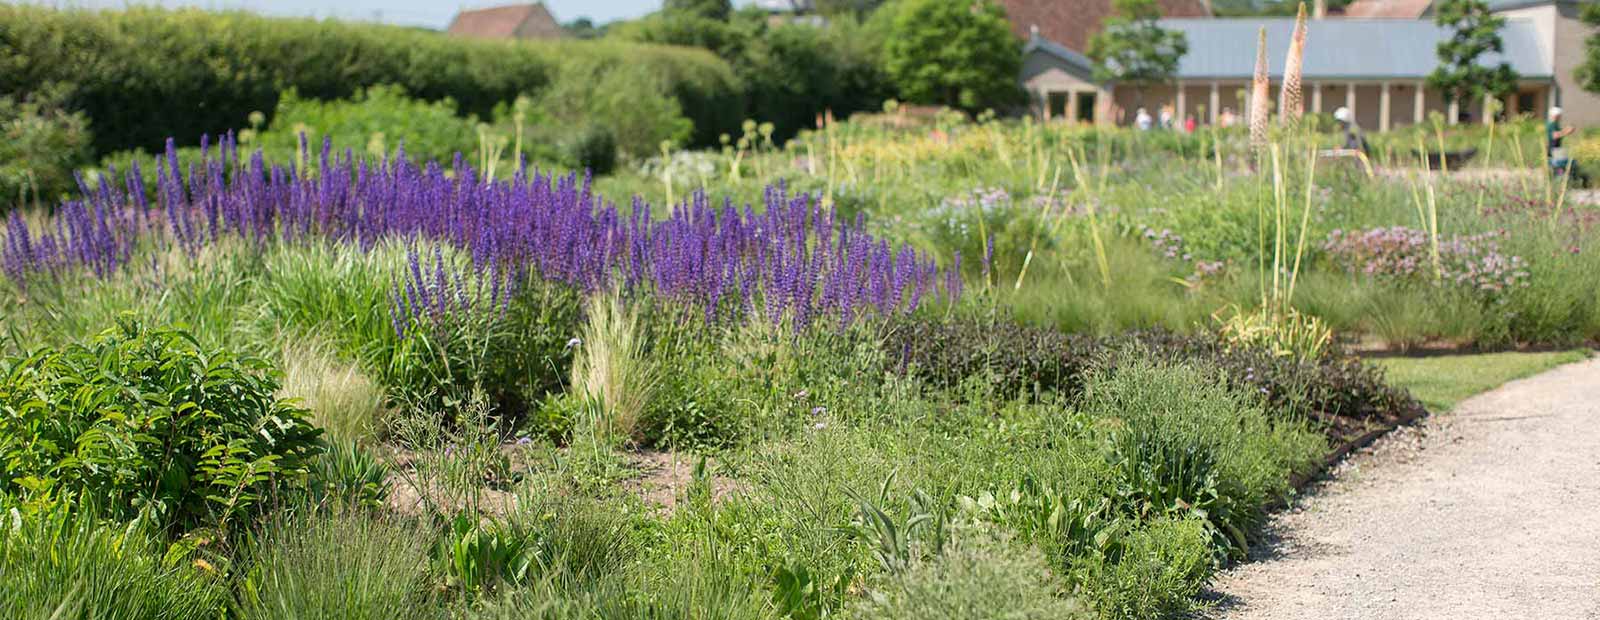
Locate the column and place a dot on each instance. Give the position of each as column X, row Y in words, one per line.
column 1383, row 107
column 1072, row 107
column 1316, row 97
column 1182, row 112
column 1216, row 102
column 1044, row 96
column 1455, row 111
column 1420, row 104
column 1488, row 109
column 1103, row 105
column 1350, row 98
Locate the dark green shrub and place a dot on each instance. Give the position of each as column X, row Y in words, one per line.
column 145, row 419
column 62, row 564
column 1344, row 394
column 1017, row 358
column 593, row 148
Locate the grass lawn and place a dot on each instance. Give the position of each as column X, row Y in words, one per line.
column 1441, row 382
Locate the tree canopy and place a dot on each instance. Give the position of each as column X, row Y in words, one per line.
column 1588, row 73
column 959, row 53
column 1460, row 74
column 710, row 9
column 1133, row 49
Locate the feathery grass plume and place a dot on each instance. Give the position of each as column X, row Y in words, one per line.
column 1291, row 103
column 611, row 370
column 1258, row 95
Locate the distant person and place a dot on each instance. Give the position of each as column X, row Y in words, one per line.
column 1190, row 124
column 1353, row 140
column 1166, row 117
column 1227, row 118
column 1560, row 162
column 1142, row 120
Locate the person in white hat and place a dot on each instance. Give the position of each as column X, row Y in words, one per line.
column 1560, row 162
column 1353, row 139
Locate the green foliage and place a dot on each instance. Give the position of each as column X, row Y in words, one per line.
column 953, row 52
column 1188, row 446
column 147, row 420
column 1133, row 48
column 348, row 475
column 41, row 144
column 975, row 576
column 790, row 72
column 344, row 402
column 345, row 565
column 1460, row 75
column 631, row 101
column 376, row 121
column 591, row 147
column 708, row 9
column 1158, row 574
column 569, row 541
column 62, row 565
column 1588, row 72
column 145, row 74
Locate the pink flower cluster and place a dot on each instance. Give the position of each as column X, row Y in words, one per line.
column 1399, row 253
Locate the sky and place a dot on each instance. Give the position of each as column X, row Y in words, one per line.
column 428, row 13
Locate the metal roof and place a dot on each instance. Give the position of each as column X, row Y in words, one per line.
column 1072, row 58
column 1341, row 48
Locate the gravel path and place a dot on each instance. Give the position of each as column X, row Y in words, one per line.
column 1491, row 511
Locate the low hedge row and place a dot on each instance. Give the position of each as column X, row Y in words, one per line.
column 144, row 74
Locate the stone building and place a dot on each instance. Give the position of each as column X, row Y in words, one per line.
column 1374, row 66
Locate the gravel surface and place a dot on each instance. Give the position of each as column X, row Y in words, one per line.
column 1490, row 511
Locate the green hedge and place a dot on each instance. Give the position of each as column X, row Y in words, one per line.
column 145, row 74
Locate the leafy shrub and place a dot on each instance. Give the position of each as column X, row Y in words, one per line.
column 58, row 564
column 41, row 144
column 692, row 407
column 146, row 419
column 379, row 118
column 1188, row 446
column 628, row 100
column 144, row 74
column 348, row 565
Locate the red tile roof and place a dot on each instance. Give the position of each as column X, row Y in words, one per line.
column 521, row 21
column 1401, row 9
column 1071, row 22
